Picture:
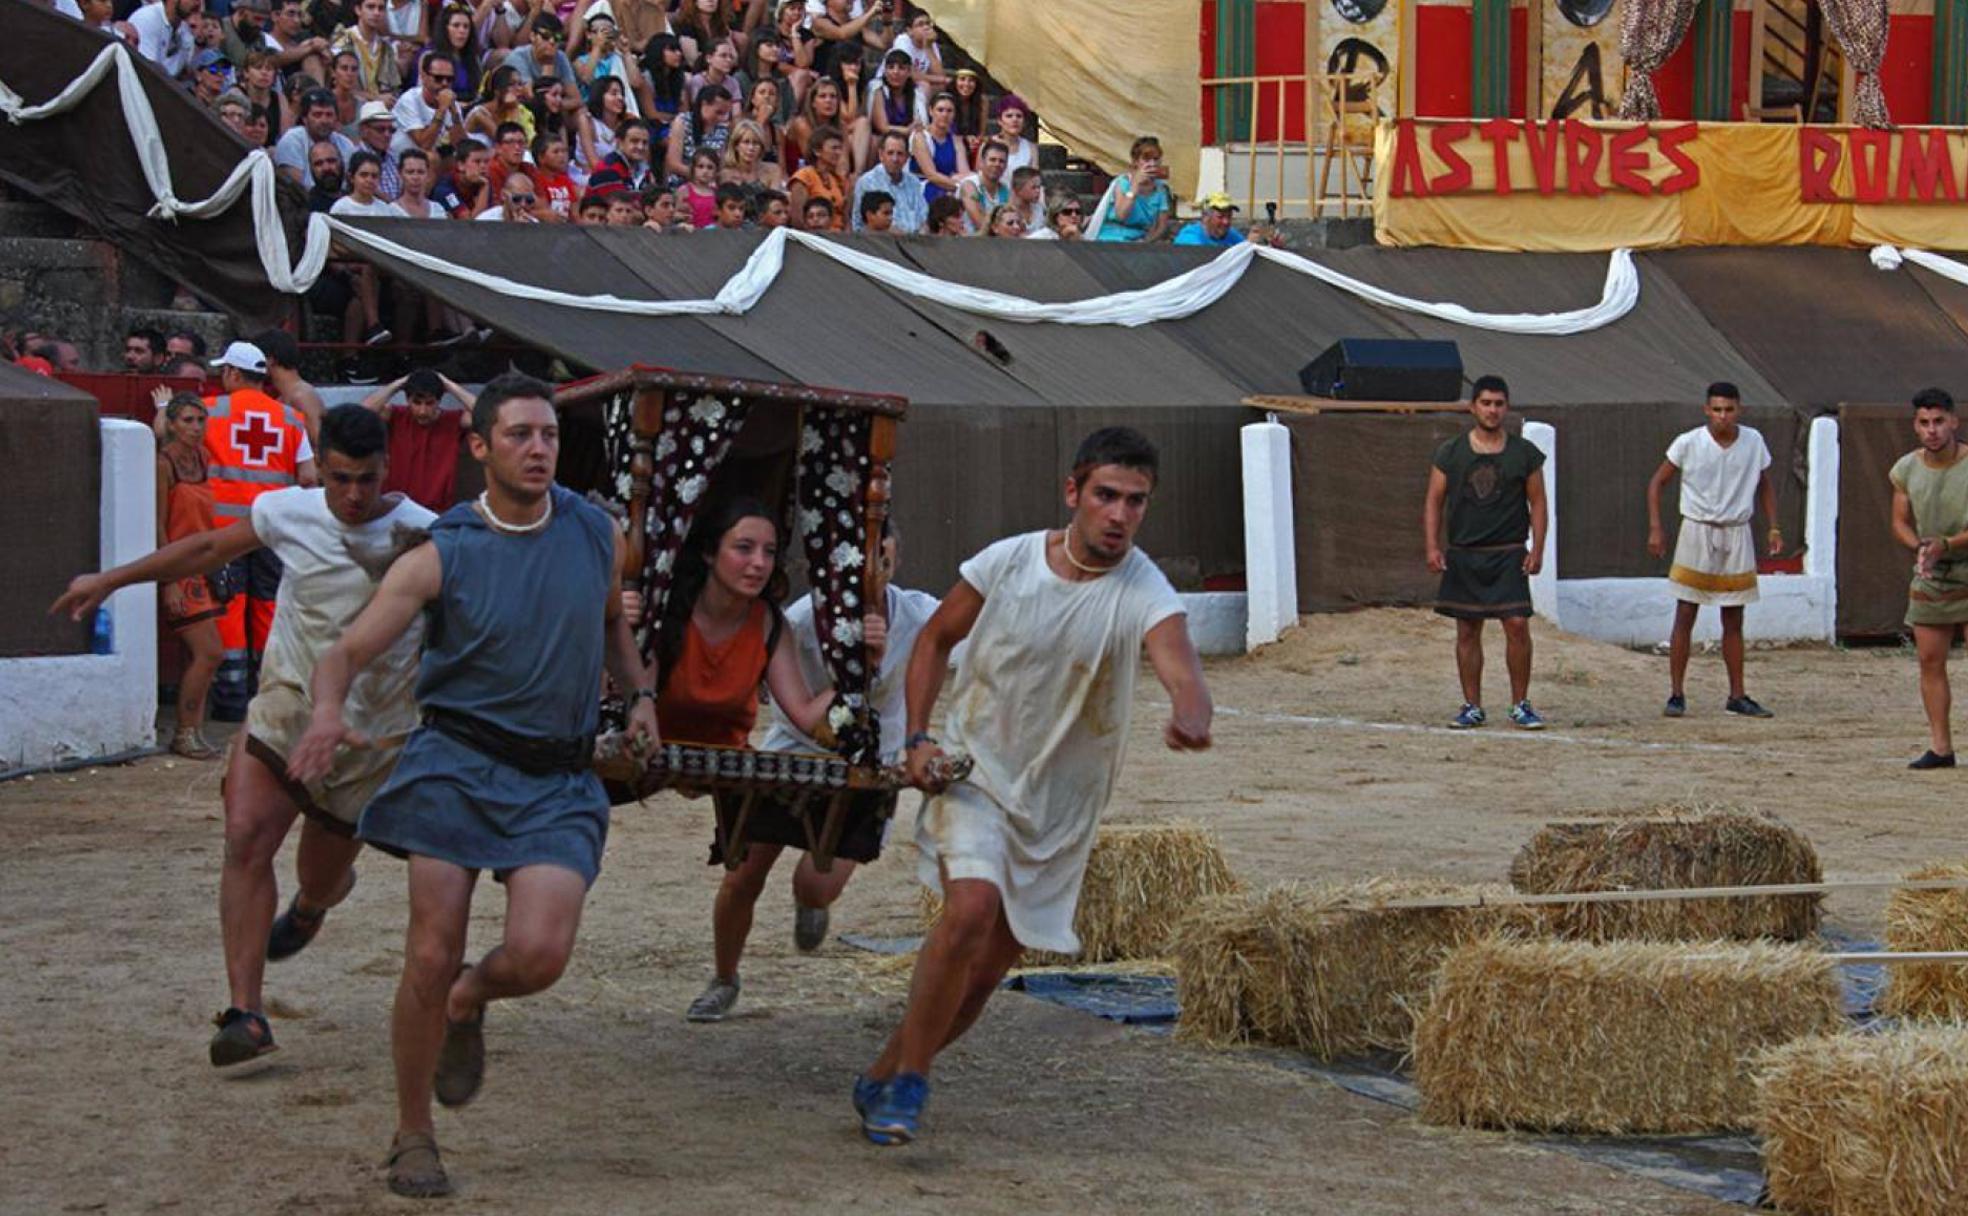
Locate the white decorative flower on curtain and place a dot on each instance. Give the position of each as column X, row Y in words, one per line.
column 847, row 631
column 843, row 482
column 690, row 488
column 708, row 409
column 845, row 557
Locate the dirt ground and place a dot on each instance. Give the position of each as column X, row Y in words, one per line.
column 1330, row 763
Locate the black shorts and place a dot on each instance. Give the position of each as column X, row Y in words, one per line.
column 775, row 819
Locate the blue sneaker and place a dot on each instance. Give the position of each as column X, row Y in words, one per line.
column 894, row 1118
column 1525, row 717
column 1471, row 717
column 866, row 1093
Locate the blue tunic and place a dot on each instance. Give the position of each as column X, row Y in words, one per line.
column 515, row 637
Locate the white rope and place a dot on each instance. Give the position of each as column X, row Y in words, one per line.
column 1886, row 257
column 1181, row 296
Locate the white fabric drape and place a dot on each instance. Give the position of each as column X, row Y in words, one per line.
column 1181, row 296
column 1886, row 257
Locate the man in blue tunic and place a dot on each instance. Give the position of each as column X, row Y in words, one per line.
column 521, row 592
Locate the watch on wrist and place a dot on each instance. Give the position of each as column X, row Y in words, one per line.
column 638, row 695
column 921, row 736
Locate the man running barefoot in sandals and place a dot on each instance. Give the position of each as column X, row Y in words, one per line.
column 1056, row 621
column 1724, row 470
column 522, row 594
column 1930, row 517
column 334, row 544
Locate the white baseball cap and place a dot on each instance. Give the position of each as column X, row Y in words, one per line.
column 245, row 356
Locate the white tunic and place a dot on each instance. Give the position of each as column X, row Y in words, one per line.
column 1718, row 484
column 1041, row 703
column 908, row 612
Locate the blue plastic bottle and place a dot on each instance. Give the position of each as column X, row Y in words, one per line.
column 103, row 638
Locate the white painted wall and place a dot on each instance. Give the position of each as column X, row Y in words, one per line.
column 1270, row 555
column 1217, row 622
column 1544, row 584
column 73, row 707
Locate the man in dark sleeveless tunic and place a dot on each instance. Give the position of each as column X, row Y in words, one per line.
column 522, row 595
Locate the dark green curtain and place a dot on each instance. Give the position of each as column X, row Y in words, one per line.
column 1950, row 63
column 1236, row 55
column 1715, row 37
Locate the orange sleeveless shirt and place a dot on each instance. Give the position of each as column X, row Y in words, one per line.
column 712, row 695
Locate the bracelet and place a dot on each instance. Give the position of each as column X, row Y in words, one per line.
column 639, row 694
column 921, row 736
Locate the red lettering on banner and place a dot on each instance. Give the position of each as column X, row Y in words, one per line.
column 1500, row 132
column 1924, row 169
column 1542, row 141
column 1408, row 177
column 1626, row 161
column 1687, row 174
column 1456, row 176
column 1583, row 151
column 1868, row 172
column 1818, row 154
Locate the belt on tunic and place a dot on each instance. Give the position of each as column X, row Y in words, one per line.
column 532, row 754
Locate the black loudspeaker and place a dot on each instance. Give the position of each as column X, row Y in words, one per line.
column 1385, row 369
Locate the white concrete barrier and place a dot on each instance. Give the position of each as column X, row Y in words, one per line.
column 1270, row 553
column 1544, row 584
column 1218, row 622
column 74, row 707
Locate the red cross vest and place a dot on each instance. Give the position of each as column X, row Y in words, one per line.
column 254, row 443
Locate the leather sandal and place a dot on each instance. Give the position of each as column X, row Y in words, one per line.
column 243, row 1035
column 415, row 1169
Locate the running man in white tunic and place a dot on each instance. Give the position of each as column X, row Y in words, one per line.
column 1724, row 469
column 1056, row 621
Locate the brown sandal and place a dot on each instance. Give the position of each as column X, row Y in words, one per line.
column 192, row 745
column 415, row 1170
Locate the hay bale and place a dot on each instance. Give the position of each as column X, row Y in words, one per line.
column 1624, row 1037
column 1322, row 970
column 1856, row 1124
column 1927, row 920
column 1141, row 879
column 1667, row 848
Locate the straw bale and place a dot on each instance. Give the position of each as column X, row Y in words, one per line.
column 1622, row 1037
column 1671, row 847
column 1140, row 881
column 1857, row 1124
column 1323, row 970
column 1927, row 920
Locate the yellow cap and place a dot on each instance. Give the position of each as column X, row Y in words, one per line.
column 1219, row 201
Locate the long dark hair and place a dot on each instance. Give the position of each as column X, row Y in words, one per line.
column 665, row 84
column 693, row 574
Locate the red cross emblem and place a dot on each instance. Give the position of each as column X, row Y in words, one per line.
column 255, row 441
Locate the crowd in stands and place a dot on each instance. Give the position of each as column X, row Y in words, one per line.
column 831, row 115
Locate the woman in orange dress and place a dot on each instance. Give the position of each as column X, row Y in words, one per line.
column 184, row 506
column 720, row 637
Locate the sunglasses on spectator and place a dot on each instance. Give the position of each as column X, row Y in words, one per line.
column 1069, row 211
column 434, row 78
column 524, row 200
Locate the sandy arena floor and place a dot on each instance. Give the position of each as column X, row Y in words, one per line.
column 1330, row 763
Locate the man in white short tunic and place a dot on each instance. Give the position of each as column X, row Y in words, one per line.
column 1056, row 622
column 1724, row 470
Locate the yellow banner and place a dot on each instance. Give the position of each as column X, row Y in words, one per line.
column 1550, row 186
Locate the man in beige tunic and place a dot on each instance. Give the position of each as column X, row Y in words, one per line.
column 1056, row 622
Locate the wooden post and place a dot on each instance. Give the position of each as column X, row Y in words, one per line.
column 1534, row 60
column 1404, row 61
column 645, row 423
column 1757, row 15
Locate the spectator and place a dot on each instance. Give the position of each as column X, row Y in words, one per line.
column 509, row 151
column 939, row 150
column 233, row 110
column 968, row 89
column 415, row 202
column 557, row 111
column 259, row 128
column 187, row 342
column 208, row 34
column 518, row 202
column 818, row 215
column 166, row 33
column 894, row 104
column 1137, row 203
column 364, row 184
column 844, row 27
column 380, row 75
column 1005, row 220
column 719, row 72
column 244, row 30
column 1013, row 117
column 456, row 38
column 506, row 93
column 465, row 193
column 593, row 210
column 376, row 126
column 701, row 25
column 730, row 206
column 631, row 157
column 918, row 42
column 185, row 508
column 293, row 154
column 797, row 45
column 424, row 436
column 769, row 63
column 283, row 357
column 429, row 114
column 327, row 166
column 607, row 57
column 608, row 109
column 698, row 197
column 61, row 356
column 181, row 367
column 409, row 27
column 259, row 83
column 1028, row 195
column 664, row 72
column 893, row 177
column 638, row 21
column 347, row 289
column 1214, row 226
column 946, row 217
column 143, row 350
column 874, row 211
column 774, row 210
column 705, row 126
column 98, row 15
column 827, row 105
column 657, row 209
column 744, row 163
column 295, row 48
column 824, row 177
column 985, row 189
column 550, row 176
column 345, row 81
column 211, row 76
column 762, row 109
column 541, row 56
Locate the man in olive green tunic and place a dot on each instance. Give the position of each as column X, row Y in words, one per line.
column 1930, row 517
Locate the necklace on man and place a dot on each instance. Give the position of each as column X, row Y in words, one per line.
column 1066, row 546
column 492, row 517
